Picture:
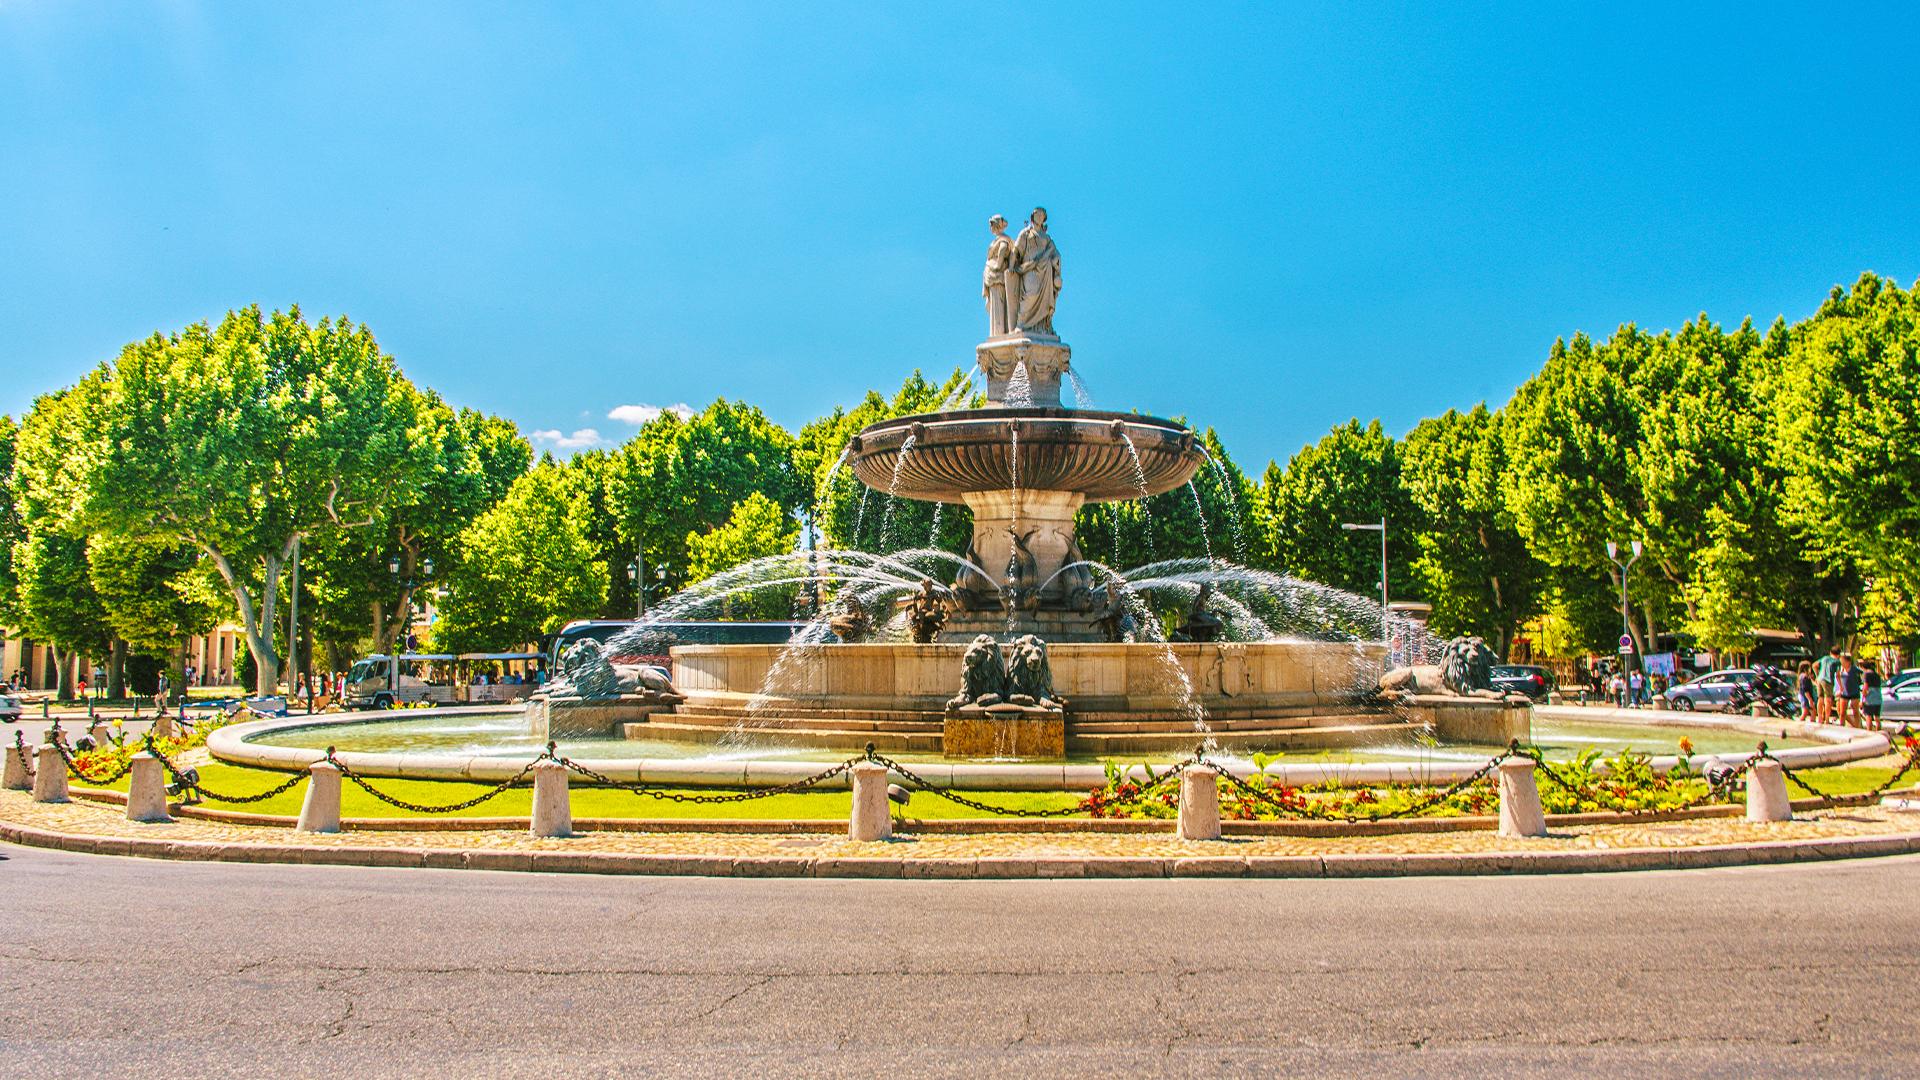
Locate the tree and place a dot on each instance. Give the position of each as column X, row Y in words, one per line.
column 155, row 596
column 13, row 533
column 525, row 568
column 466, row 461
column 1351, row 475
column 56, row 601
column 1848, row 411
column 241, row 440
column 849, row 514
column 757, row 528
column 1477, row 571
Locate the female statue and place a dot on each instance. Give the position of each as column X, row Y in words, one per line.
column 999, row 284
column 1037, row 262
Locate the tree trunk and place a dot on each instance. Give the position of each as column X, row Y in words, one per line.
column 178, row 672
column 117, row 670
column 257, row 622
column 63, row 660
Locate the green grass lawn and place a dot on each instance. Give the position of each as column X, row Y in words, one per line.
column 604, row 803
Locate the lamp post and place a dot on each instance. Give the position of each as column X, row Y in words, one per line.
column 1626, row 625
column 1382, row 530
column 635, row 570
column 408, row 585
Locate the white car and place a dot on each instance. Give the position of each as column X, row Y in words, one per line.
column 10, row 708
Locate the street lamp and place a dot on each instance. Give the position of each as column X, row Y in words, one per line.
column 407, row 585
column 637, row 573
column 1382, row 530
column 1626, row 626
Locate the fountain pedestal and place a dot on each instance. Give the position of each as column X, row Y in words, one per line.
column 1004, row 731
column 1023, row 369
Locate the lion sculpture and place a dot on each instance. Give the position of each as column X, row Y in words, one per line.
column 1029, row 676
column 983, row 674
column 1465, row 670
column 587, row 672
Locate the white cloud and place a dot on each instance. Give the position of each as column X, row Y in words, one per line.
column 640, row 414
column 579, row 440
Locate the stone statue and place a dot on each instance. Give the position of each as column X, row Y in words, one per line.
column 852, row 625
column 927, row 612
column 999, row 284
column 1022, row 590
column 983, row 674
column 972, row 588
column 1076, row 582
column 586, row 672
column 1029, row 676
column 1200, row 625
column 1465, row 670
column 1037, row 262
column 1115, row 618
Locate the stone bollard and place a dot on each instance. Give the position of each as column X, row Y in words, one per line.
column 15, row 773
column 1554, row 697
column 320, row 810
column 1199, row 803
column 1767, row 792
column 552, row 805
column 147, row 791
column 49, row 774
column 871, row 818
column 101, row 734
column 1661, row 702
column 1760, row 710
column 1520, row 813
column 163, row 726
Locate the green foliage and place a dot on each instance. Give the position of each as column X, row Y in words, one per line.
column 1848, row 412
column 1473, row 562
column 848, row 515
column 525, row 568
column 155, row 594
column 13, row 532
column 1124, row 535
column 238, row 440
column 1350, row 475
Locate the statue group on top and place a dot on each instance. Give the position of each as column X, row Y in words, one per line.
column 1022, row 278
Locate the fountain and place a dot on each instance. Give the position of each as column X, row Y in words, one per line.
column 1025, row 464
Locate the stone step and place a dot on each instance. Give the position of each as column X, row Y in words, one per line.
column 1272, row 739
column 850, row 715
column 1076, row 726
column 814, row 737
column 712, row 721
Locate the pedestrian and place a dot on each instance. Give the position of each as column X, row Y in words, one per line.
column 1617, row 690
column 1848, row 686
column 1823, row 676
column 160, row 688
column 1637, row 683
column 1870, row 694
column 1808, row 700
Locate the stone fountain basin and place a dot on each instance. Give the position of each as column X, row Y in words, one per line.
column 1065, row 450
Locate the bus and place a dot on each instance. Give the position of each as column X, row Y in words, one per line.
column 655, row 638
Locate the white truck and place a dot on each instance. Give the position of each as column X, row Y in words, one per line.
column 381, row 682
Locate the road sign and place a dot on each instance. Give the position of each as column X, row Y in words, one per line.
column 1626, row 643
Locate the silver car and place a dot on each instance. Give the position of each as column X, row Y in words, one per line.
column 9, row 707
column 1709, row 692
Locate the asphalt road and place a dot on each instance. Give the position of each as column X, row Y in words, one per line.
column 126, row 967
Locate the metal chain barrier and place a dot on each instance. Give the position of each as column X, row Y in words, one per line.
column 683, row 797
column 187, row 782
column 20, row 748
column 947, row 793
column 1863, row 798
column 58, row 739
column 1303, row 808
column 1715, row 790
column 422, row 808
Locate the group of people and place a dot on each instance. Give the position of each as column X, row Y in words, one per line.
column 1839, row 690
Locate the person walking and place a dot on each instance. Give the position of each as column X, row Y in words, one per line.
column 1808, row 700
column 1637, row 687
column 1823, row 676
column 1870, row 695
column 1848, row 686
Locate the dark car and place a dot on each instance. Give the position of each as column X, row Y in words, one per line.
column 1534, row 682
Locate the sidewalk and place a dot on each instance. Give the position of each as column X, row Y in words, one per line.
column 1828, row 834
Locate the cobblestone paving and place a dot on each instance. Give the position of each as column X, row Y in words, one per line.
column 95, row 819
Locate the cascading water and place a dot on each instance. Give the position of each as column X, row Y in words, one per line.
column 1082, row 397
column 1020, row 387
column 1140, row 479
column 893, row 498
column 1200, row 512
column 1227, row 487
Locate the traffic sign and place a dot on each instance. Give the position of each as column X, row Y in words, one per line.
column 1626, row 643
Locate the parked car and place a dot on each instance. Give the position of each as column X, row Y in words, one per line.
column 10, row 708
column 1902, row 702
column 1709, row 692
column 1534, row 682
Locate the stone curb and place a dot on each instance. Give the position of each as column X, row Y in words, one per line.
column 983, row 867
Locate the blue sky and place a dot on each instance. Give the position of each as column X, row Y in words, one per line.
column 1273, row 217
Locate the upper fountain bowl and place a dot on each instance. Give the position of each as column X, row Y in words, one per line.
column 1069, row 450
